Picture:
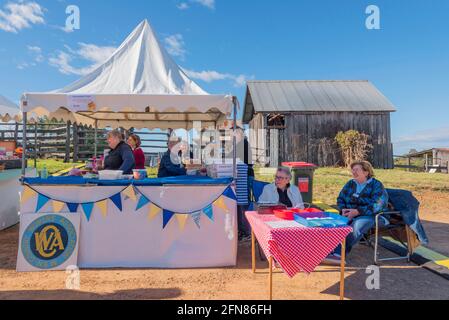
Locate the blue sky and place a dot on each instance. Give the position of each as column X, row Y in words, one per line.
column 225, row 42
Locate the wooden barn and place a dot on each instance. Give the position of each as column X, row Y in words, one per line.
column 298, row 120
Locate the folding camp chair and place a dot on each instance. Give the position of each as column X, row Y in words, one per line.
column 394, row 228
column 395, row 223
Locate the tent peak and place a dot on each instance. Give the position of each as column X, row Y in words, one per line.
column 140, row 65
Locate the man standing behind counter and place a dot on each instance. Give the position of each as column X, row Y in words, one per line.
column 171, row 164
column 121, row 156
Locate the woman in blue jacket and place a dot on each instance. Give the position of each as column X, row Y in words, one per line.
column 360, row 200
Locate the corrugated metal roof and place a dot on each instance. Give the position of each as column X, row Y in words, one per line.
column 314, row 95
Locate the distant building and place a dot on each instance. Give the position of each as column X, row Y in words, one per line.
column 436, row 159
column 301, row 119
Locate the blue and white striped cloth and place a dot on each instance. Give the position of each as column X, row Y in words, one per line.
column 242, row 184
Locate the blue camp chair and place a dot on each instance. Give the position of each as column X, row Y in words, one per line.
column 256, row 189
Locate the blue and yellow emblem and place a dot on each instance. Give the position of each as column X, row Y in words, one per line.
column 49, row 241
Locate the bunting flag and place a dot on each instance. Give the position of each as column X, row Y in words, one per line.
column 58, row 205
column 220, row 203
column 182, row 219
column 41, row 201
column 143, row 201
column 73, row 207
column 167, row 215
column 196, row 216
column 117, row 200
column 103, row 206
column 26, row 194
column 129, row 192
column 209, row 212
column 153, row 212
column 88, row 207
column 230, row 193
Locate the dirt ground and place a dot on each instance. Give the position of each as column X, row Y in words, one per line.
column 398, row 280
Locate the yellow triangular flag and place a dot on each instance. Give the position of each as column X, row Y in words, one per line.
column 103, row 205
column 58, row 205
column 182, row 219
column 130, row 193
column 153, row 212
column 221, row 204
column 26, row 194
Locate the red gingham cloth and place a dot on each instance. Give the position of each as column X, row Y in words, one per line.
column 295, row 249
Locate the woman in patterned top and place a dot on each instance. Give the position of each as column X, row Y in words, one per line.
column 360, row 200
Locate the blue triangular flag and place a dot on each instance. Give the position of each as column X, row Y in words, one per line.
column 196, row 216
column 41, row 201
column 87, row 207
column 117, row 199
column 143, row 201
column 167, row 215
column 209, row 212
column 73, row 207
column 230, row 193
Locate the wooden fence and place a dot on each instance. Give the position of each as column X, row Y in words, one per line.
column 72, row 142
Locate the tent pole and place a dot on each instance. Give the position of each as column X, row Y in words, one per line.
column 234, row 141
column 96, row 139
column 35, row 145
column 24, row 143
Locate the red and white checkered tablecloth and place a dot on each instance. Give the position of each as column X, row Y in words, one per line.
column 295, row 249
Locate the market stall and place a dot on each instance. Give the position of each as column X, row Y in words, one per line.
column 137, row 224
column 127, row 223
column 9, row 169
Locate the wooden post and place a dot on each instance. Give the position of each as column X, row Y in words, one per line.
column 342, row 269
column 270, row 277
column 427, row 162
column 16, row 132
column 67, row 143
column 253, row 251
column 409, row 163
column 75, row 142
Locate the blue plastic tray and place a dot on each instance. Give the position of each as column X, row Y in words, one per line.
column 332, row 220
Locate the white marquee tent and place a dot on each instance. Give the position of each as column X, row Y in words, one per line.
column 139, row 86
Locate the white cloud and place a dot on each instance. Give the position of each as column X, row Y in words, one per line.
column 205, row 3
column 183, row 6
column 425, row 139
column 37, row 52
column 211, row 76
column 17, row 16
column 175, row 45
column 91, row 53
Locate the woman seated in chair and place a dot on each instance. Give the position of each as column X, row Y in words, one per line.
column 360, row 200
column 281, row 191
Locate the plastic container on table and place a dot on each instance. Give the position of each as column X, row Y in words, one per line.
column 110, row 174
column 139, row 174
column 286, row 214
column 321, row 219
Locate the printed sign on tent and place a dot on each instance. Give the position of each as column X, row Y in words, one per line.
column 48, row 241
column 81, row 103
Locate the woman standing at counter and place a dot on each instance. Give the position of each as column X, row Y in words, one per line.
column 139, row 156
column 121, row 156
